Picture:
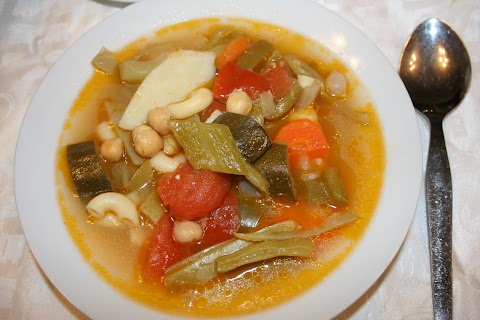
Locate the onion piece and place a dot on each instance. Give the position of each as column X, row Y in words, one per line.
column 267, row 104
column 309, row 94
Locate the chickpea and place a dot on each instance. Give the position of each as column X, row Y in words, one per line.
column 171, row 146
column 158, row 119
column 336, row 84
column 112, row 150
column 146, row 141
column 187, row 231
column 239, row 102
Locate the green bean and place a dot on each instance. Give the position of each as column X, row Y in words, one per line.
column 286, row 102
column 106, row 62
column 300, row 67
column 211, row 146
column 141, row 177
column 335, row 186
column 257, row 52
column 334, row 221
column 296, row 247
column 200, row 267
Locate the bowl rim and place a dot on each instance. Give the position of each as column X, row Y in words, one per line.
column 402, row 148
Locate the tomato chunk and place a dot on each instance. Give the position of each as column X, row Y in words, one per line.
column 191, row 194
column 279, row 79
column 222, row 222
column 232, row 77
column 162, row 252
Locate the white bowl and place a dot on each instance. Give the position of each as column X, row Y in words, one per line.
column 36, row 193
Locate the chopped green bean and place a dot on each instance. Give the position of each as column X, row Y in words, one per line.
column 335, row 186
column 300, row 67
column 286, row 102
column 200, row 267
column 257, row 52
column 296, row 247
column 334, row 221
column 211, row 146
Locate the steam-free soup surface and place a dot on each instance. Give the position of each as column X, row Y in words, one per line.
column 353, row 152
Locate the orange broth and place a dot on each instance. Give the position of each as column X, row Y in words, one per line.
column 356, row 148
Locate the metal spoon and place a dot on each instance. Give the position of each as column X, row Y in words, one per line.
column 435, row 68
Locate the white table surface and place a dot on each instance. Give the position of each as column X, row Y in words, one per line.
column 33, row 35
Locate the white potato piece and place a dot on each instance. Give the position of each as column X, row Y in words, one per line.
column 113, row 202
column 172, row 81
column 163, row 163
column 198, row 101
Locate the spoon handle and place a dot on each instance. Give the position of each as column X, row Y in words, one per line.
column 439, row 218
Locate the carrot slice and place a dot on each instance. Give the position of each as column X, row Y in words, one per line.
column 232, row 52
column 303, row 138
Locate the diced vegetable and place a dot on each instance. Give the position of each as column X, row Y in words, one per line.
column 278, row 77
column 304, row 138
column 267, row 105
column 152, row 207
column 274, row 165
column 334, row 183
column 300, row 67
column 192, row 193
column 334, row 221
column 170, row 82
column 285, row 103
column 88, row 175
column 134, row 71
column 314, row 192
column 232, row 51
column 141, row 177
column 221, row 35
column 200, row 267
column 309, row 94
column 223, row 222
column 129, row 148
column 106, row 62
column 249, row 135
column 212, row 147
column 295, row 247
column 258, row 52
column 115, row 111
column 233, row 77
column 249, row 212
column 163, row 251
column 121, row 173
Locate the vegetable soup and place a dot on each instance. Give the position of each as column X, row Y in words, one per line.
column 220, row 167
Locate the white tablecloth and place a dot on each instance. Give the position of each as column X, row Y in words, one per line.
column 34, row 33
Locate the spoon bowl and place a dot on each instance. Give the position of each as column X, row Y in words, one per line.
column 436, row 70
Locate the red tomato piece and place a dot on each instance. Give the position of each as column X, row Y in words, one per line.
column 222, row 222
column 279, row 79
column 162, row 252
column 191, row 194
column 232, row 77
column 215, row 105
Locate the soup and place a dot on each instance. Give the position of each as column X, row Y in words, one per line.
column 219, row 168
